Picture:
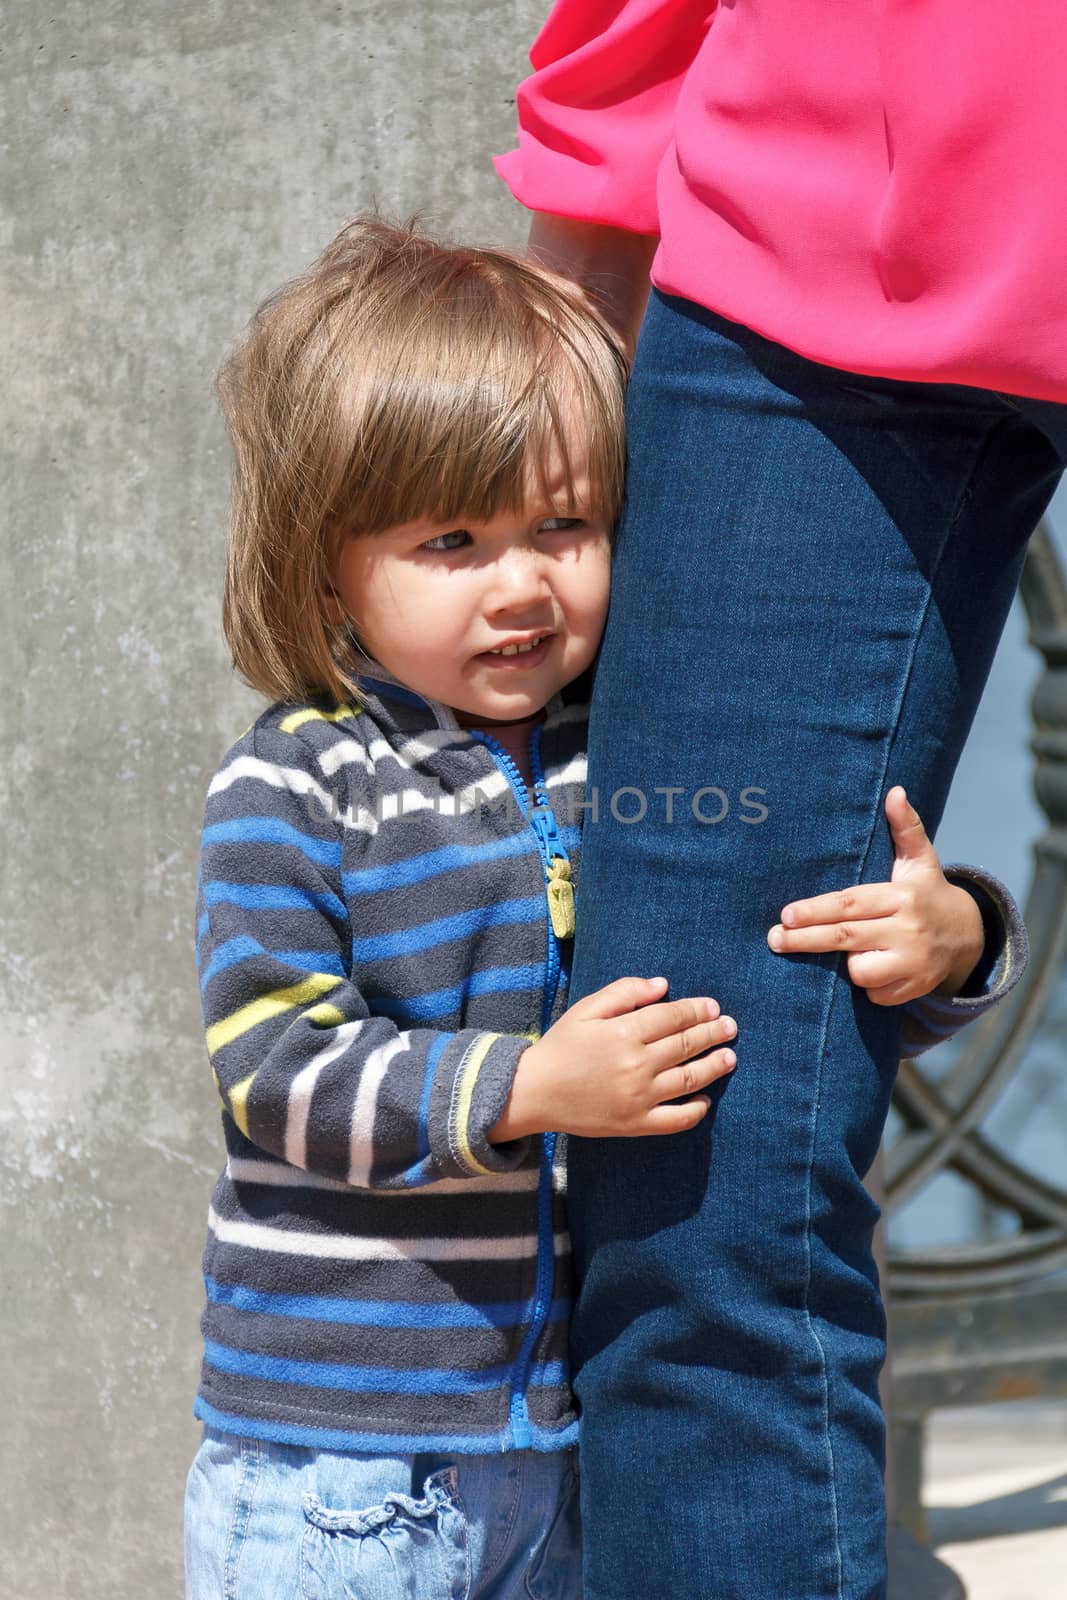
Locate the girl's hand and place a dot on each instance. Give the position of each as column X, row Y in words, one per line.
column 606, row 1067
column 916, row 935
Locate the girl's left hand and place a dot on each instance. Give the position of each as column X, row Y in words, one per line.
column 916, row 935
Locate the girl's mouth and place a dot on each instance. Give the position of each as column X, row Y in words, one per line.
column 520, row 659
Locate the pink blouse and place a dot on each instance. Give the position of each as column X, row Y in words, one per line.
column 880, row 185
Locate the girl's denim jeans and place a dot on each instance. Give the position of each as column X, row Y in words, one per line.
column 267, row 1521
column 812, row 573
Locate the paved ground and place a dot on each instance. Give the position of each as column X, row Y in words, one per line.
column 996, row 1493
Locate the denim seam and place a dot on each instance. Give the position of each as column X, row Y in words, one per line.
column 961, row 505
column 453, row 1497
column 489, row 1573
column 231, row 1530
column 569, row 1486
column 242, row 1512
column 305, row 1541
column 824, row 1380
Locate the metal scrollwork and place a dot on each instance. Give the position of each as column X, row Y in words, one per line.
column 943, row 1121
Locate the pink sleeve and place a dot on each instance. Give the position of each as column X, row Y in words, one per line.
column 597, row 115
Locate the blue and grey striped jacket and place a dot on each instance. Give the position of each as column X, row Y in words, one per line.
column 376, row 949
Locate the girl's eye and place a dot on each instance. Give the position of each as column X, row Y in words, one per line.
column 440, row 542
column 456, row 538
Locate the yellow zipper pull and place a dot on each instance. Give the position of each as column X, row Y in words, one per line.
column 560, row 898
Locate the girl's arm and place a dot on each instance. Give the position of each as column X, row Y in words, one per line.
column 311, row 1071
column 302, row 1066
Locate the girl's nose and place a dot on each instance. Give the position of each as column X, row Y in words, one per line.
column 518, row 578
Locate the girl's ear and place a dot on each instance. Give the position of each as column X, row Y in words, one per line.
column 332, row 608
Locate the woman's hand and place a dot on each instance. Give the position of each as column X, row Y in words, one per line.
column 608, row 1065
column 916, row 935
column 609, row 265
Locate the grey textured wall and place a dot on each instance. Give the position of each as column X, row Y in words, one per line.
column 163, row 167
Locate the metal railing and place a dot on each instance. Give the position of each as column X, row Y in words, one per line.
column 988, row 1320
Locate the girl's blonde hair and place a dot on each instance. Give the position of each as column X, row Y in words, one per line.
column 398, row 378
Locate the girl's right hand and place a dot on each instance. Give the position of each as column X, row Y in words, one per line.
column 605, row 1069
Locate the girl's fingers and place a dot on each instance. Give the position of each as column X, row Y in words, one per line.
column 843, row 905
column 892, row 994
column 671, row 1016
column 859, row 935
column 909, row 834
column 684, row 1043
column 677, row 1119
column 620, row 998
column 875, row 969
column 694, row 1075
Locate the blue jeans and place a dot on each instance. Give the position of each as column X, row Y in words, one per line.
column 812, row 573
column 266, row 1521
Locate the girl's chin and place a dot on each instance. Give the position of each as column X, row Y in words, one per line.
column 498, row 715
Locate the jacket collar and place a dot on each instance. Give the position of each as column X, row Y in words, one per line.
column 376, row 680
column 380, row 682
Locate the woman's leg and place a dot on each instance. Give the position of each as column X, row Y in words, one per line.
column 812, row 575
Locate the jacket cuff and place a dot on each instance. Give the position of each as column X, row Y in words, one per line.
column 1004, row 959
column 1006, row 951
column 471, row 1087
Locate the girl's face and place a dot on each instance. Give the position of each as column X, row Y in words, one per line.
column 437, row 603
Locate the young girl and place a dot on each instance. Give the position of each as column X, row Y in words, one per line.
column 428, row 446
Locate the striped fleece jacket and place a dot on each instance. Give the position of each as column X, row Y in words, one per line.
column 383, row 925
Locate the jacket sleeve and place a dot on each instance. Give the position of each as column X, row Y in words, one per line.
column 596, row 116
column 302, row 1066
column 931, row 1018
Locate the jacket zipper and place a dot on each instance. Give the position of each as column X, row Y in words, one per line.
column 543, row 822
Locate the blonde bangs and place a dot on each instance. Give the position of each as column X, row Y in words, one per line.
column 399, row 379
column 451, row 424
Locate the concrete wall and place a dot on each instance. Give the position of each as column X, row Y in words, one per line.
column 163, row 166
